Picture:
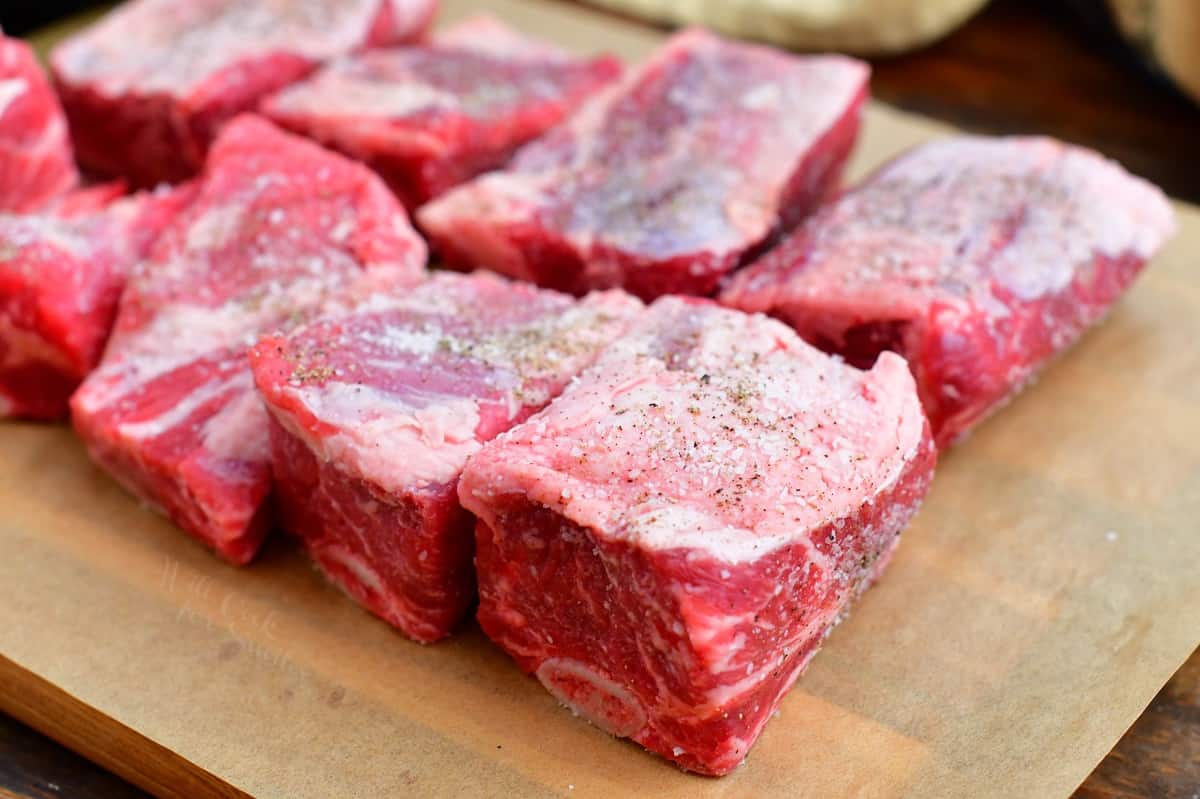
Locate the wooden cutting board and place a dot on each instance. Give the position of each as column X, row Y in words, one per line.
column 1049, row 587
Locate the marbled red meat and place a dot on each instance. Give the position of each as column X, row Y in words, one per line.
column 36, row 163
column 147, row 87
column 977, row 259
column 667, row 544
column 666, row 181
column 277, row 225
column 427, row 117
column 61, row 274
column 376, row 407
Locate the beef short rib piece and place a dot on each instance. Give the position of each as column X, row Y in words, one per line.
column 148, row 86
column 428, row 117
column 975, row 258
column 377, row 406
column 667, row 544
column 277, row 224
column 36, row 163
column 664, row 182
column 61, row 274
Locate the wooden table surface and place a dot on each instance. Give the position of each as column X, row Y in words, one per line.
column 1019, row 67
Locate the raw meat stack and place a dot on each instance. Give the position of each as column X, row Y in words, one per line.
column 149, row 86
column 667, row 182
column 64, row 251
column 377, row 407
column 276, row 225
column 665, row 509
column 429, row 117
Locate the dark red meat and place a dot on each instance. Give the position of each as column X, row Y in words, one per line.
column 277, row 224
column 377, row 406
column 666, row 545
column 427, row 117
column 664, row 183
column 36, row 163
column 147, row 87
column 61, row 274
column 976, row 259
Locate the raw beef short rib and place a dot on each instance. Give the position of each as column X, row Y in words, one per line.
column 61, row 275
column 667, row 544
column 377, row 406
column 427, row 117
column 977, row 259
column 36, row 163
column 148, row 86
column 665, row 182
column 277, row 224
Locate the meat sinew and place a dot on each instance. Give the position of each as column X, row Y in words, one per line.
column 377, row 406
column 61, row 274
column 276, row 225
column 666, row 545
column 147, row 88
column 664, row 182
column 36, row 163
column 428, row 117
column 976, row 258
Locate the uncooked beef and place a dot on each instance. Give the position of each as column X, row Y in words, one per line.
column 667, row 544
column 377, row 406
column 428, row 117
column 61, row 274
column 664, row 183
column 277, row 224
column 978, row 259
column 147, row 87
column 36, row 163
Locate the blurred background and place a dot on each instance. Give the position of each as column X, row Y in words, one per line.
column 19, row 17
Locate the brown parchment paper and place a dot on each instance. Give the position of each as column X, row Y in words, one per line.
column 1049, row 587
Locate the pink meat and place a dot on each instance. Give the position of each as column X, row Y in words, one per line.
column 147, row 87
column 61, row 274
column 429, row 117
column 667, row 544
column 36, row 163
column 277, row 224
column 977, row 259
column 663, row 183
column 377, row 406
column 96, row 197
